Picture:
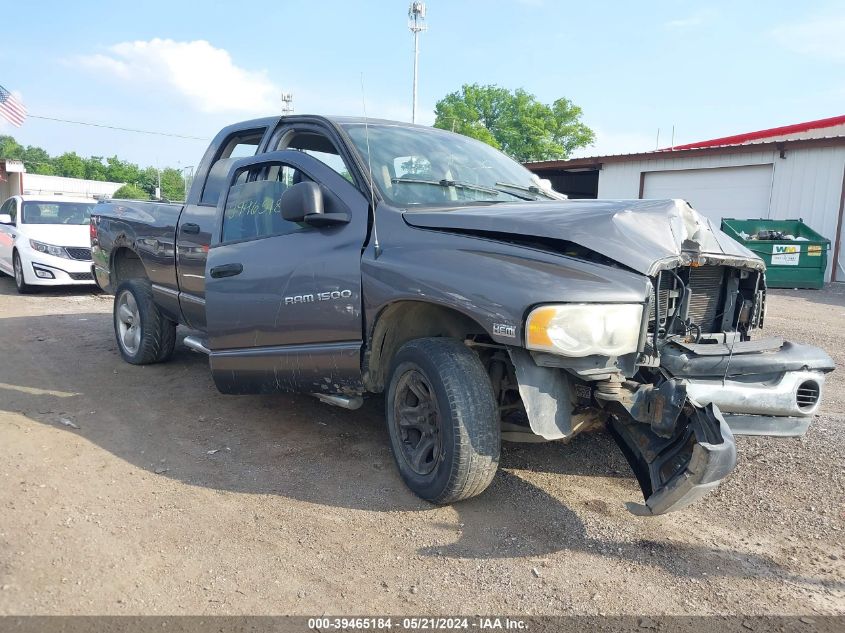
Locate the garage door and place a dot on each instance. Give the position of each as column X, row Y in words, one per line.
column 719, row 192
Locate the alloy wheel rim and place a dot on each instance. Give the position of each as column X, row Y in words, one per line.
column 416, row 417
column 18, row 272
column 128, row 323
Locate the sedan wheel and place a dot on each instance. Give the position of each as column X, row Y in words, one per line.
column 20, row 282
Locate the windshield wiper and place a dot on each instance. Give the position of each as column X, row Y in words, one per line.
column 445, row 183
column 505, row 186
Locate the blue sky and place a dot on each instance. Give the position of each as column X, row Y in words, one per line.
column 708, row 68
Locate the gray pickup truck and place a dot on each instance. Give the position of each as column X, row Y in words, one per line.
column 343, row 257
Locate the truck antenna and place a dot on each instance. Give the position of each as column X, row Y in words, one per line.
column 376, row 246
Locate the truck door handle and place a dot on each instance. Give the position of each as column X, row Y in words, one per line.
column 190, row 227
column 226, row 270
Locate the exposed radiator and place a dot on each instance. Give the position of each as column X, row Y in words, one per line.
column 705, row 284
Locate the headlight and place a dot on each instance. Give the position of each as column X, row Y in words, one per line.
column 585, row 329
column 49, row 249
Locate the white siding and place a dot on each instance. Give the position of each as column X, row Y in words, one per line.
column 37, row 183
column 806, row 184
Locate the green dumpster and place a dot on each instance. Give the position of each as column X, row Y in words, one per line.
column 795, row 255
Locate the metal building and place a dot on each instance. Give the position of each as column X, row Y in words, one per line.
column 795, row 171
column 14, row 181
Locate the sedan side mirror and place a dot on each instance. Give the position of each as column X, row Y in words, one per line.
column 303, row 202
column 5, row 218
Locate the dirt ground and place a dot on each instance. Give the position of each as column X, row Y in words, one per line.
column 170, row 499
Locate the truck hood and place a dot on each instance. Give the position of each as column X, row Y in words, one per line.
column 78, row 235
column 644, row 235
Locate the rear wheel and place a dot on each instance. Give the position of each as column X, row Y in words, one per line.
column 20, row 283
column 443, row 420
column 144, row 335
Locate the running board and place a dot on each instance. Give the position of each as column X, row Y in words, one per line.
column 675, row 471
column 337, row 400
column 197, row 344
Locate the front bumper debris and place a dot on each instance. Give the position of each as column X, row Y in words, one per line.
column 678, row 434
column 770, row 425
column 764, row 387
column 675, row 471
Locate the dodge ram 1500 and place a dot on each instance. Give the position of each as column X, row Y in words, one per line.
column 343, row 257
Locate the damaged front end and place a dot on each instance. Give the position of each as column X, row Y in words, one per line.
column 696, row 380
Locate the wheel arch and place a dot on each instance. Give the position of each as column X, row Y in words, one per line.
column 405, row 320
column 125, row 263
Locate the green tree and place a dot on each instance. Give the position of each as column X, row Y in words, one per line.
column 122, row 171
column 38, row 161
column 132, row 192
column 514, row 122
column 172, row 184
column 148, row 180
column 95, row 168
column 10, row 148
column 70, row 165
column 143, row 181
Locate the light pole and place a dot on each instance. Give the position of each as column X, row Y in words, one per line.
column 287, row 103
column 416, row 22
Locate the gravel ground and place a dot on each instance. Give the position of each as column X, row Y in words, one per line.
column 141, row 490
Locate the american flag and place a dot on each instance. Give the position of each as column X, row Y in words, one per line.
column 11, row 108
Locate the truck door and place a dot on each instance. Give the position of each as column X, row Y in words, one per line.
column 193, row 234
column 283, row 298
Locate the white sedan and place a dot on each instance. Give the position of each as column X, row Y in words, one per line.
column 45, row 240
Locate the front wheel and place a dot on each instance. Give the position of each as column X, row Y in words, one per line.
column 144, row 335
column 20, row 283
column 443, row 420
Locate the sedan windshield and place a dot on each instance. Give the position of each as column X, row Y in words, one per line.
column 56, row 212
column 430, row 167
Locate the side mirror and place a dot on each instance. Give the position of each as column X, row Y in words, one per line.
column 303, row 202
column 5, row 218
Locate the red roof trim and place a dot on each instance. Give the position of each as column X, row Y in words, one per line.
column 738, row 139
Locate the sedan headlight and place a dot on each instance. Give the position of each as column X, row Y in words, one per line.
column 49, row 249
column 585, row 329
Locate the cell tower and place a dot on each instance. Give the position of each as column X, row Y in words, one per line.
column 287, row 103
column 416, row 22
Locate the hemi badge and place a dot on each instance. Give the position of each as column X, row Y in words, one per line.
column 503, row 329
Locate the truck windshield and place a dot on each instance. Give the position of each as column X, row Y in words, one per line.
column 56, row 212
column 431, row 167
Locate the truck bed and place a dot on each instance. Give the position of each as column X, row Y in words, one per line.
column 145, row 230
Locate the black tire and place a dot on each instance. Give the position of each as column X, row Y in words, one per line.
column 467, row 439
column 20, row 283
column 154, row 338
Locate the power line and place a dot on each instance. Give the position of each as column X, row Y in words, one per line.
column 122, row 129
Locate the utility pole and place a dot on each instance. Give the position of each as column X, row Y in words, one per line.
column 287, row 103
column 416, row 22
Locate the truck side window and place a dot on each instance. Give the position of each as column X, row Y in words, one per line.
column 238, row 145
column 252, row 204
column 319, row 147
